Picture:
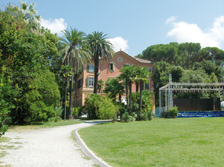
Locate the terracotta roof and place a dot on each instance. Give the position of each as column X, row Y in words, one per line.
column 142, row 60
column 137, row 59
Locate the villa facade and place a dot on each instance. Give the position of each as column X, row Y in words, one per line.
column 109, row 69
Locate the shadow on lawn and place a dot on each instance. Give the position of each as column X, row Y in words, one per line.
column 98, row 121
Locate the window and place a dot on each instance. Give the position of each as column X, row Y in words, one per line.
column 126, row 64
column 147, row 86
column 90, row 82
column 150, row 70
column 111, row 66
column 79, row 84
column 90, row 68
column 119, row 59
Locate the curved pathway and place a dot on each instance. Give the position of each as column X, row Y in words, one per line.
column 46, row 147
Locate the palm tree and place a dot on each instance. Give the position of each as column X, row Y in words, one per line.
column 102, row 49
column 100, row 84
column 131, row 72
column 141, row 77
column 66, row 72
column 127, row 75
column 114, row 88
column 124, row 76
column 75, row 53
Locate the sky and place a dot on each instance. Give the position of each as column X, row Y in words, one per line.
column 134, row 25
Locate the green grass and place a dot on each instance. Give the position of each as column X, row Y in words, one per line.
column 160, row 142
column 38, row 125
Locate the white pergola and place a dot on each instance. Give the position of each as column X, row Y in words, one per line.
column 168, row 89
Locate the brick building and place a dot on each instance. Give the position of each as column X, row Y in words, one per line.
column 109, row 69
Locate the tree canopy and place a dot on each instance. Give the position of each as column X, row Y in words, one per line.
column 187, row 62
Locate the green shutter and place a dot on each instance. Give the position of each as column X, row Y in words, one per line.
column 87, row 68
column 87, row 82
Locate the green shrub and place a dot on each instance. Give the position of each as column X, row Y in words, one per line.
column 147, row 103
column 58, row 111
column 134, row 115
column 150, row 114
column 77, row 111
column 143, row 117
column 128, row 118
column 107, row 109
column 57, row 118
column 92, row 105
column 52, row 119
column 173, row 112
column 100, row 107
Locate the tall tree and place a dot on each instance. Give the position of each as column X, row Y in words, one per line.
column 127, row 76
column 101, row 49
column 141, row 76
column 24, row 55
column 66, row 72
column 27, row 13
column 75, row 53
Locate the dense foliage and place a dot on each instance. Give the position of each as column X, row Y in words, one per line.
column 147, row 101
column 28, row 57
column 187, row 62
column 6, row 99
column 102, row 107
column 173, row 112
column 184, row 54
column 138, row 104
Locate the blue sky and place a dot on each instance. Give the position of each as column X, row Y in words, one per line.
column 133, row 25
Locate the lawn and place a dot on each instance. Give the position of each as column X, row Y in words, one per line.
column 160, row 142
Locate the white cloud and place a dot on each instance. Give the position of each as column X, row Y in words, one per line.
column 119, row 43
column 171, row 19
column 186, row 32
column 56, row 25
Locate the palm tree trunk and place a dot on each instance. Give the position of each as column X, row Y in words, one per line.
column 140, row 105
column 137, row 86
column 130, row 97
column 96, row 61
column 65, row 98
column 75, row 100
column 120, row 98
column 70, row 102
column 126, row 87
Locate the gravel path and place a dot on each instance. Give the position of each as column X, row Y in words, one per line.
column 45, row 148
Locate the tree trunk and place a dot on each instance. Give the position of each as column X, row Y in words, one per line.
column 70, row 102
column 75, row 87
column 126, row 87
column 130, row 97
column 137, row 86
column 96, row 61
column 65, row 98
column 119, row 97
column 140, row 105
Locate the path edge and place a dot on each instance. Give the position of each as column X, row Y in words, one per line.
column 89, row 153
